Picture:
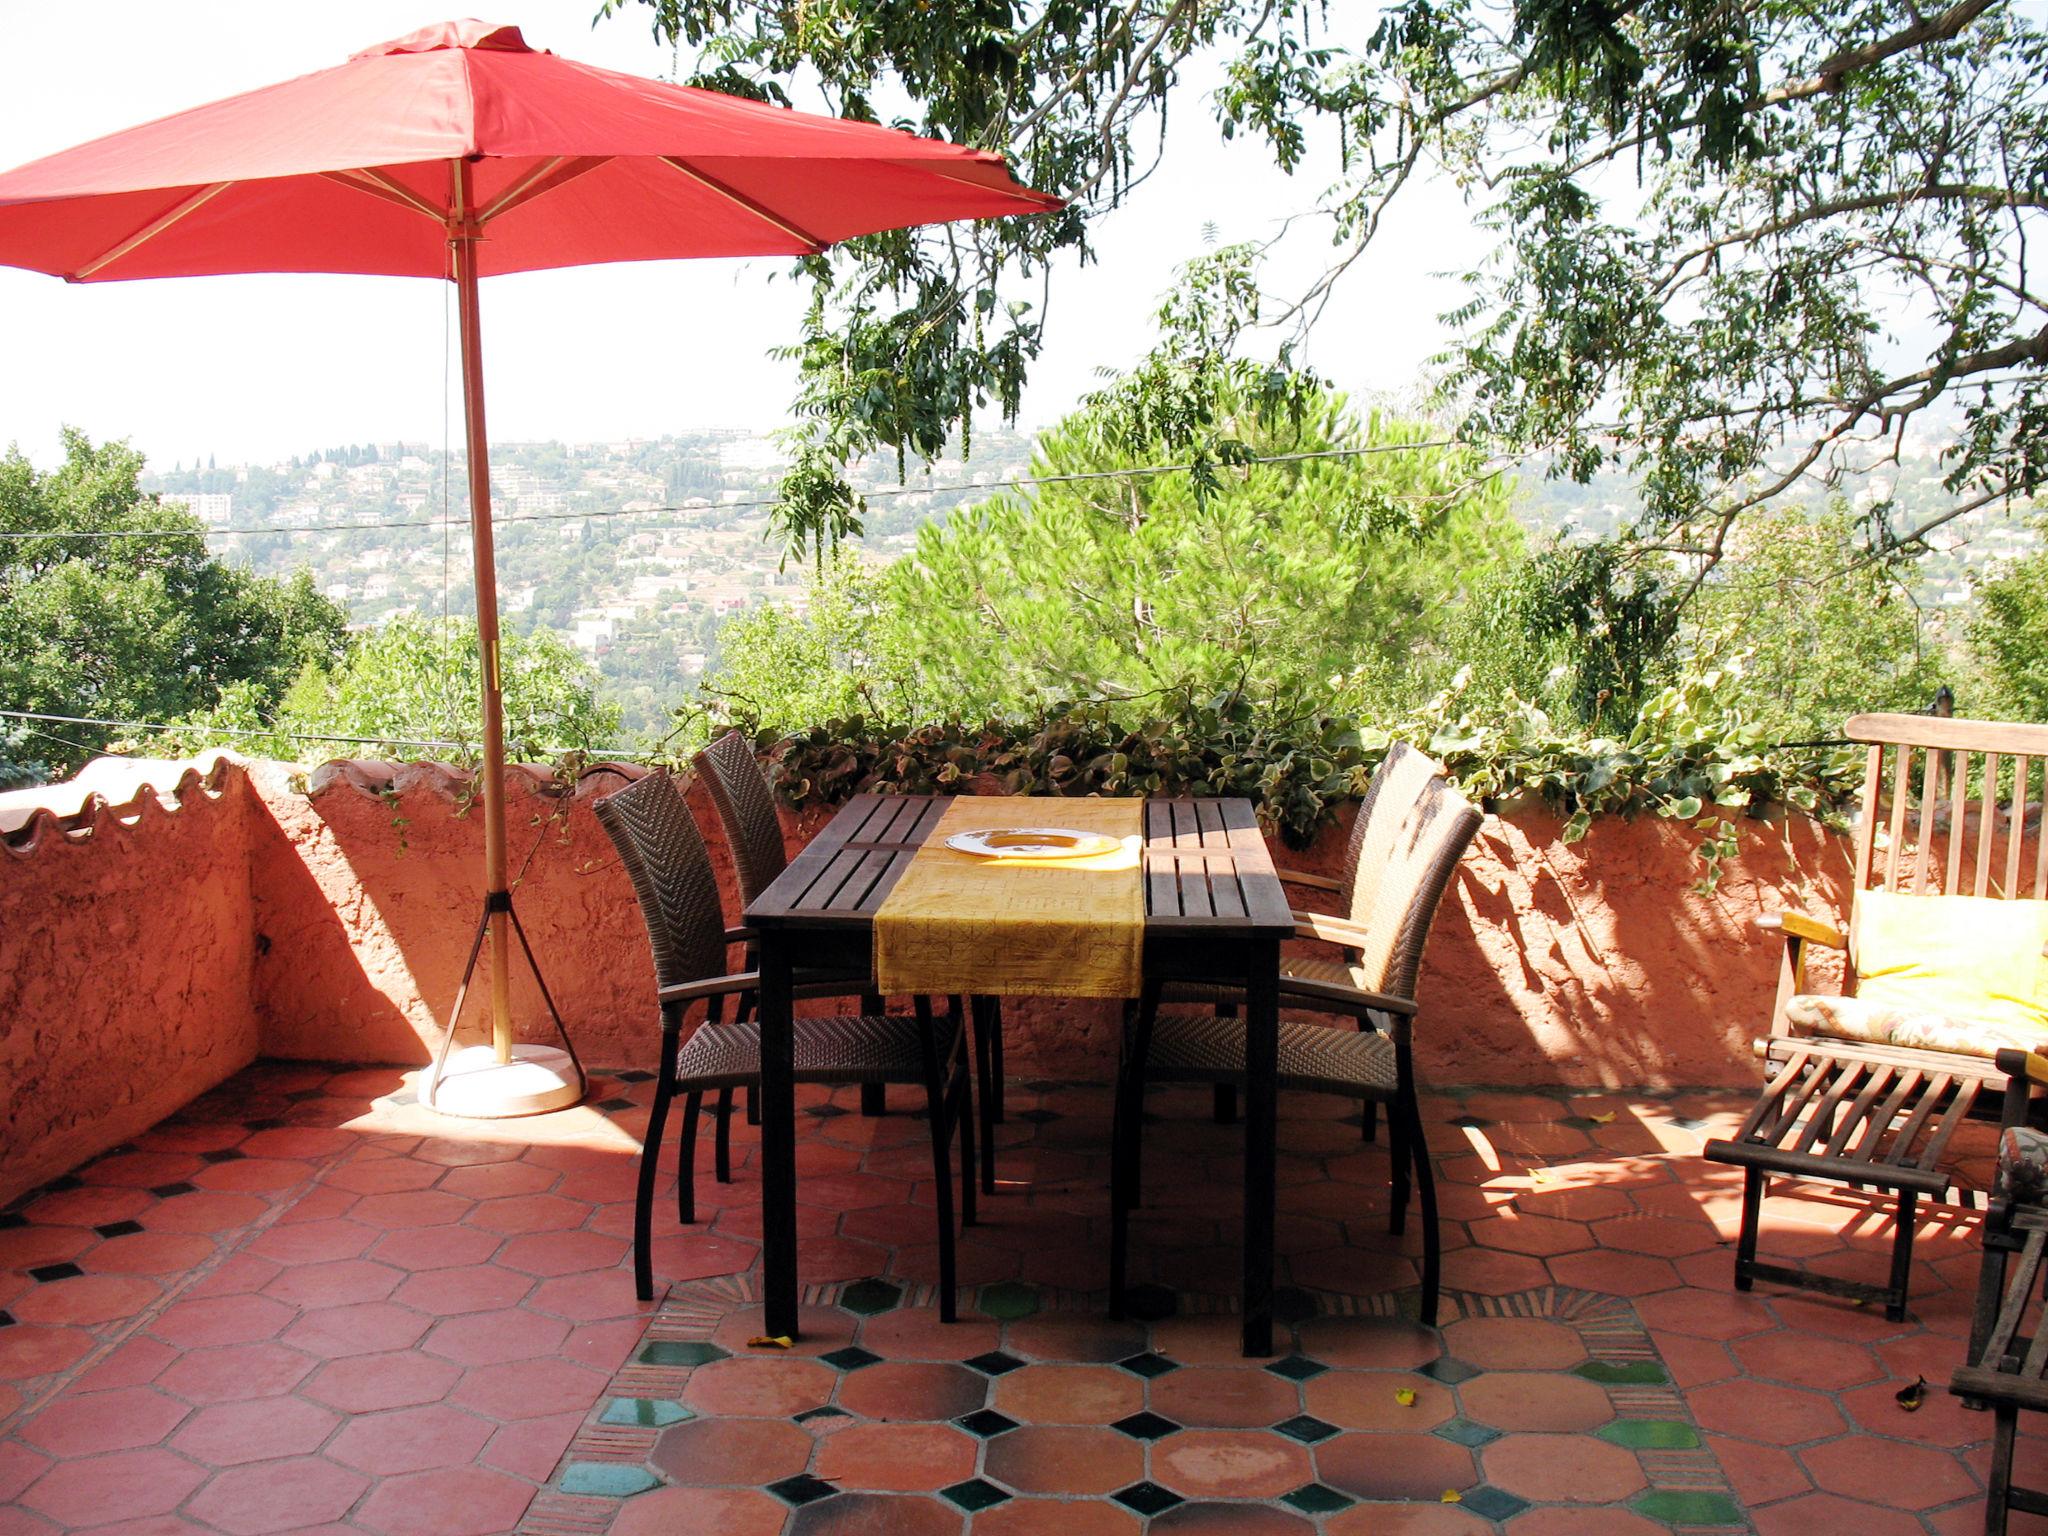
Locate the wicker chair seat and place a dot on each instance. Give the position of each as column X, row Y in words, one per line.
column 871, row 1048
column 1201, row 1048
column 1292, row 968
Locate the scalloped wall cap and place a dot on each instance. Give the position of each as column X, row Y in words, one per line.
column 116, row 780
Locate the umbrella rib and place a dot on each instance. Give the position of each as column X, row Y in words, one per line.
column 377, row 184
column 542, row 179
column 1039, row 200
column 151, row 230
column 742, row 201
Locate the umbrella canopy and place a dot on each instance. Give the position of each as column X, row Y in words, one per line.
column 350, row 170
column 459, row 152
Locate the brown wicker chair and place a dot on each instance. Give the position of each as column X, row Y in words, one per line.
column 659, row 844
column 1411, row 831
column 745, row 802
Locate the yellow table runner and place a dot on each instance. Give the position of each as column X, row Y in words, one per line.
column 1017, row 927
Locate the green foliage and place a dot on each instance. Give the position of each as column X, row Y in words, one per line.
column 1577, row 628
column 139, row 629
column 1826, row 631
column 1326, row 578
column 411, row 682
column 1686, row 756
column 2010, row 638
column 1710, row 217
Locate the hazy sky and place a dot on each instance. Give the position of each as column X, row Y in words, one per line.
column 260, row 367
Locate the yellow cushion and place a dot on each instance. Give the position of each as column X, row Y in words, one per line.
column 1967, row 957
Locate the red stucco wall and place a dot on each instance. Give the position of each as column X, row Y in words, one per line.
column 127, row 966
column 143, row 962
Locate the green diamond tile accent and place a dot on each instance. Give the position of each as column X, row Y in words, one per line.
column 1148, row 1498
column 867, row 1297
column 1650, row 1434
column 608, row 1479
column 986, row 1423
column 680, row 1352
column 1493, row 1503
column 1673, row 1506
column 1297, row 1367
column 1450, row 1372
column 649, row 1412
column 851, row 1358
column 1306, row 1428
column 802, row 1489
column 1632, row 1373
column 975, row 1494
column 1465, row 1432
column 1009, row 1300
column 1315, row 1499
column 1147, row 1365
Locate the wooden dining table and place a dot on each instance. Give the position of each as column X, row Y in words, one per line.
column 1215, row 913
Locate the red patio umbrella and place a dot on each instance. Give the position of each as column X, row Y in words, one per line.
column 459, row 152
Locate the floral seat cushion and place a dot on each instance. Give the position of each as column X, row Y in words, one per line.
column 2023, row 1164
column 1879, row 1022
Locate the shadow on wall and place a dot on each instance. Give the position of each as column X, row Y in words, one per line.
column 1596, row 963
column 369, row 890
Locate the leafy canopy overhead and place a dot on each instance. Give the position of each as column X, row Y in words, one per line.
column 1738, row 241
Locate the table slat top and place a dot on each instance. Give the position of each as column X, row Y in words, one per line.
column 1206, row 867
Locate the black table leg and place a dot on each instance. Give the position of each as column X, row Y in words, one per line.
column 1261, row 1118
column 778, row 1139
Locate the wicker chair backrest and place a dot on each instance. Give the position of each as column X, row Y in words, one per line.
column 746, row 809
column 658, row 842
column 1412, row 829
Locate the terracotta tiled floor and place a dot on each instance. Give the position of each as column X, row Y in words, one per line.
column 307, row 1304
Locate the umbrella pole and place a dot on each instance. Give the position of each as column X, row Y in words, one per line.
column 498, row 895
column 501, row 1079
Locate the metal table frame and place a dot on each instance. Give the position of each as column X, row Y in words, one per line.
column 1214, row 912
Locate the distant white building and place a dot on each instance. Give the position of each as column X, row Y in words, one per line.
column 212, row 508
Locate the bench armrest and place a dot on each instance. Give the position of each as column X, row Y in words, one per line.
column 1803, row 925
column 1307, row 881
column 1331, row 930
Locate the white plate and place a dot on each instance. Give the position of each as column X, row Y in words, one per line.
column 1032, row 843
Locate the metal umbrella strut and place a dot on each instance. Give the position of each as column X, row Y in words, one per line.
column 459, row 152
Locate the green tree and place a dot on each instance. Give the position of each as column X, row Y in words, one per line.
column 112, row 608
column 1303, row 553
column 1711, row 217
column 413, row 682
column 2010, row 638
column 1825, row 629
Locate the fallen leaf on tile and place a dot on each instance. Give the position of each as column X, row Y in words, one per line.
column 1451, row 1496
column 771, row 1341
column 1910, row 1398
column 1605, row 1119
column 1405, row 1396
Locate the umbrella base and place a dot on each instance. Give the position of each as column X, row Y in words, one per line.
column 474, row 1085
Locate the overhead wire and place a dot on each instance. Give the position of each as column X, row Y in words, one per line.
column 762, row 503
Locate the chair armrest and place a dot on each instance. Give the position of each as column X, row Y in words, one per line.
column 2027, row 1065
column 710, row 986
column 1331, row 930
column 1300, row 989
column 740, row 935
column 1303, row 878
column 750, row 981
column 1803, row 925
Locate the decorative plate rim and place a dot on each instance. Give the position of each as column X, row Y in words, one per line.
column 1084, row 845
